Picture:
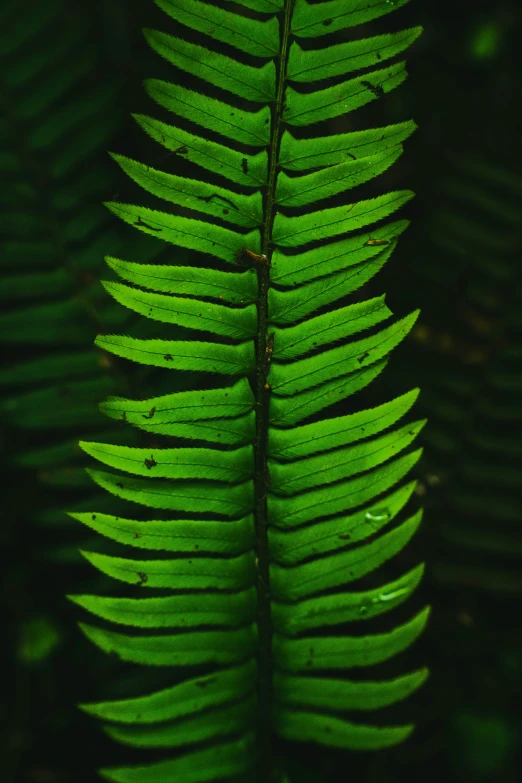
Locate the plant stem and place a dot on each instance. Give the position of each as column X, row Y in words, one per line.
column 265, row 764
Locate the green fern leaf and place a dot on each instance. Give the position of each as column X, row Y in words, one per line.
column 280, row 514
column 295, row 231
column 232, row 207
column 314, row 65
column 304, row 109
column 331, row 181
column 182, row 700
column 334, row 432
column 227, row 759
column 209, row 536
column 304, row 154
column 191, row 313
column 255, row 84
column 311, row 21
column 186, row 232
column 240, row 167
column 246, row 127
column 233, row 287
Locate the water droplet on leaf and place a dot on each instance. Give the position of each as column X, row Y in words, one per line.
column 380, row 515
column 390, row 596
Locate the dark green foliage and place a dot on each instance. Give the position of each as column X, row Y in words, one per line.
column 55, row 228
column 61, row 105
column 473, row 385
column 54, row 132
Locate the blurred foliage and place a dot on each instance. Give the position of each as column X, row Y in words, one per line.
column 38, row 638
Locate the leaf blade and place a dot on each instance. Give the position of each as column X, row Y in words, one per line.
column 259, row 38
column 327, row 223
column 186, row 232
column 304, row 109
column 316, row 64
column 236, row 208
column 183, row 649
column 254, row 84
column 312, row 20
column 187, row 698
column 239, row 324
column 178, row 463
column 252, row 128
column 241, row 168
column 180, row 355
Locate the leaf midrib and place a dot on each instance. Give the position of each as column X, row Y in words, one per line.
column 265, row 687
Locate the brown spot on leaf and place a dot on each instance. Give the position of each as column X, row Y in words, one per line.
column 205, row 682
column 372, row 242
column 377, row 89
column 140, row 222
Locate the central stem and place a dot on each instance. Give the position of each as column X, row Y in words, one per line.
column 264, row 346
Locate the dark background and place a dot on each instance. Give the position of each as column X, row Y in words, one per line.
column 459, row 262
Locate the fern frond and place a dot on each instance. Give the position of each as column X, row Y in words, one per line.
column 276, row 520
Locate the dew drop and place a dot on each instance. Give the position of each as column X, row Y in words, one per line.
column 392, row 596
column 377, row 516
